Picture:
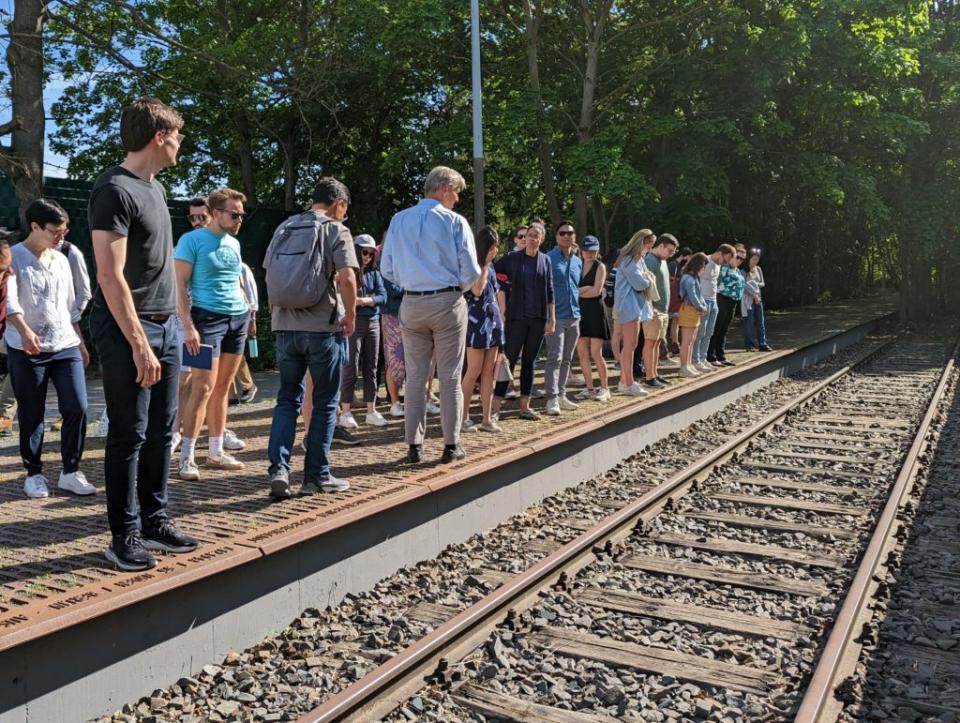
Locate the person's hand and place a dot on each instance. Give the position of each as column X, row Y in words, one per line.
column 349, row 324
column 549, row 328
column 84, row 355
column 191, row 339
column 252, row 328
column 148, row 367
column 31, row 342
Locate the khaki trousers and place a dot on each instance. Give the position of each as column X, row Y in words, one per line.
column 427, row 323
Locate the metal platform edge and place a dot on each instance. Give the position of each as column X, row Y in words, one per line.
column 92, row 667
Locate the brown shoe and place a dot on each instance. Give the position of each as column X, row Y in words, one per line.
column 226, row 461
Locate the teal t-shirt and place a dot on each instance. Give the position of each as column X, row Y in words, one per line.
column 215, row 283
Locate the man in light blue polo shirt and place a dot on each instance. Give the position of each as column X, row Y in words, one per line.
column 561, row 345
column 430, row 254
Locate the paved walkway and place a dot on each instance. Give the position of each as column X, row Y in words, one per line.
column 51, row 549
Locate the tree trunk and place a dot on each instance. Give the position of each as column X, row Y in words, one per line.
column 534, row 19
column 245, row 151
column 24, row 162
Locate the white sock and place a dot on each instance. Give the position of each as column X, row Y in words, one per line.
column 187, row 446
column 216, row 447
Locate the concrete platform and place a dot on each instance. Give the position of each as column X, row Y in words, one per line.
column 77, row 638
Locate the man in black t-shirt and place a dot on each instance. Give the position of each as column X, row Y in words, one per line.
column 133, row 326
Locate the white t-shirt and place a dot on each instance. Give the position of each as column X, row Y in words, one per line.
column 708, row 280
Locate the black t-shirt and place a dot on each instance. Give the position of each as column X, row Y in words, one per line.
column 126, row 204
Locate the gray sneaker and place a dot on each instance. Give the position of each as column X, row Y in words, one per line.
column 280, row 484
column 331, row 484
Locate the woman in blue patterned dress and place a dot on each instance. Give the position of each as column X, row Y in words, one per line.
column 485, row 332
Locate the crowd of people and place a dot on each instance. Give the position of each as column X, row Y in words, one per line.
column 171, row 325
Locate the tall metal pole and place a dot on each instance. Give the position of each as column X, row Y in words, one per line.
column 478, row 205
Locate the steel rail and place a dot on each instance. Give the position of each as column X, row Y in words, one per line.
column 834, row 660
column 385, row 687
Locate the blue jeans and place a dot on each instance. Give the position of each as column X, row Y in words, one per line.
column 755, row 328
column 136, row 457
column 707, row 322
column 324, row 354
column 30, row 376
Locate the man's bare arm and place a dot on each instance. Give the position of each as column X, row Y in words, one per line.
column 110, row 252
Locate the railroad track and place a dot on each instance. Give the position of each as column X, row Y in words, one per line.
column 721, row 584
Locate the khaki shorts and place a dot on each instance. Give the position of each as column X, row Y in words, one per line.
column 655, row 328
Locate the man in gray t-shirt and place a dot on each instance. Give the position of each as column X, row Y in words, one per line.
column 315, row 340
column 656, row 263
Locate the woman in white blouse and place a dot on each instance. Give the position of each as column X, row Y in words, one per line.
column 44, row 344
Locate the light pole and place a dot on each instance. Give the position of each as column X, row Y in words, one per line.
column 478, row 206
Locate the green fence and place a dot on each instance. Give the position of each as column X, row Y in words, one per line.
column 73, row 196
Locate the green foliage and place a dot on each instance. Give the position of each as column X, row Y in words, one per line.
column 826, row 132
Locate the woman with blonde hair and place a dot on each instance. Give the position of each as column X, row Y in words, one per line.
column 631, row 304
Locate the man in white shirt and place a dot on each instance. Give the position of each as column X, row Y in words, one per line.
column 708, row 287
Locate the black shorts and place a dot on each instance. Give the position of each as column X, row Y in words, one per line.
column 225, row 333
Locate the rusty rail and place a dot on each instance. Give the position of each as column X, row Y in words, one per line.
column 836, row 658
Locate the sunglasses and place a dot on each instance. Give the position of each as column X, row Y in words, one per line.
column 368, row 252
column 196, row 217
column 566, row 233
column 235, row 215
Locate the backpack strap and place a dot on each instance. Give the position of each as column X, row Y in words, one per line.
column 65, row 248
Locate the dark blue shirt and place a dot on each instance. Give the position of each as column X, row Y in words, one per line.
column 371, row 284
column 566, row 283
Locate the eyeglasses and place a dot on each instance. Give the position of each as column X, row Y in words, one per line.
column 178, row 137
column 57, row 231
column 566, row 233
column 235, row 215
column 196, row 217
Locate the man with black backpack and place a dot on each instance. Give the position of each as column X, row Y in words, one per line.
column 311, row 274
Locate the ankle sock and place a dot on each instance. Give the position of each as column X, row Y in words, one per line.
column 216, row 447
column 187, row 445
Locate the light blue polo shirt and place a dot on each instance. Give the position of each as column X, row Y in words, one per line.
column 215, row 283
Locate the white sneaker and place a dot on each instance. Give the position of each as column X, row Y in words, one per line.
column 553, row 407
column 35, row 486
column 375, row 419
column 689, row 372
column 396, row 409
column 433, row 408
column 232, row 442
column 703, row 367
column 635, row 390
column 468, row 425
column 75, row 482
column 586, row 394
column 188, row 471
column 176, row 440
column 568, row 406
column 512, row 394
column 103, row 424
column 603, row 395
column 347, row 421
column 622, row 388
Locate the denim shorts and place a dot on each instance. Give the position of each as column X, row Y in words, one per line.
column 225, row 333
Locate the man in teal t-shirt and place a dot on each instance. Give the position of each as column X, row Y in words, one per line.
column 217, row 314
column 656, row 262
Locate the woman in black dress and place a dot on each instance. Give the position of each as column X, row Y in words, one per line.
column 594, row 328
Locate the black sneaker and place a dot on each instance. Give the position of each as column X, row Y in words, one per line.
column 127, row 552
column 168, row 538
column 280, row 483
column 246, row 395
column 415, row 454
column 727, row 363
column 655, row 383
column 663, row 381
column 342, row 436
column 766, row 348
column 452, row 453
column 330, row 484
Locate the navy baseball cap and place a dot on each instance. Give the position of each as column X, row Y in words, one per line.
column 590, row 243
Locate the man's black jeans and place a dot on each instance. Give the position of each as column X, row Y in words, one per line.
column 137, row 454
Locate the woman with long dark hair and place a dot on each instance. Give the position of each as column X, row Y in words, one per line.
column 485, row 332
